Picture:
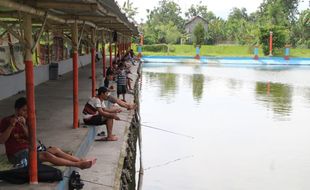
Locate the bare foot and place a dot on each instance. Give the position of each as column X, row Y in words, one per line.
column 132, row 107
column 111, row 138
column 87, row 164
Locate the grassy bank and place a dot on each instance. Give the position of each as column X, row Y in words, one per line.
column 224, row 50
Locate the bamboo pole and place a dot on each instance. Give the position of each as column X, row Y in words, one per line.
column 93, row 62
column 40, row 33
column 103, row 57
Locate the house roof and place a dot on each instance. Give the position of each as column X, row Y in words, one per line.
column 194, row 18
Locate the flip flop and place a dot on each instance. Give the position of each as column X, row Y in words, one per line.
column 114, row 138
column 101, row 133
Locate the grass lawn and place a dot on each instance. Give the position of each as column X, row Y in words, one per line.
column 224, row 51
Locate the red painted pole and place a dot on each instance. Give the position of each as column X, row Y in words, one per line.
column 118, row 49
column 115, row 51
column 33, row 170
column 110, row 49
column 75, row 90
column 75, row 77
column 93, row 72
column 270, row 43
column 104, row 64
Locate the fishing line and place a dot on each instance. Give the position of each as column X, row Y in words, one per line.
column 167, row 163
column 101, row 184
column 156, row 128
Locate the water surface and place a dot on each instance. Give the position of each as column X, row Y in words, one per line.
column 251, row 127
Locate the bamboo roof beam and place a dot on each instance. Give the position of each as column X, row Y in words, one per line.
column 11, row 31
column 70, row 5
column 33, row 11
column 40, row 33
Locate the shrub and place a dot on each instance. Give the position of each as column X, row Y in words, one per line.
column 156, row 48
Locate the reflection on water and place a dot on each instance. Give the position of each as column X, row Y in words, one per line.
column 278, row 96
column 251, row 128
column 197, row 82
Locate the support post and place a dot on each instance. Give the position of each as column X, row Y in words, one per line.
column 93, row 64
column 197, row 52
column 104, row 64
column 48, row 48
column 287, row 52
column 270, row 43
column 115, row 49
column 75, row 76
column 110, row 51
column 256, row 52
column 33, row 170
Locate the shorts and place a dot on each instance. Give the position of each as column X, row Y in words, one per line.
column 19, row 156
column 95, row 120
column 121, row 89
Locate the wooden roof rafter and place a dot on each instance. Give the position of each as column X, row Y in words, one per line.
column 97, row 14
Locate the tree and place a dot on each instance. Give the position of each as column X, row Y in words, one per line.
column 129, row 9
column 199, row 33
column 300, row 31
column 238, row 14
column 200, row 10
column 278, row 12
column 237, row 25
column 166, row 13
column 216, row 31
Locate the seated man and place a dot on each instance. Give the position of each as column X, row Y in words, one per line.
column 14, row 134
column 96, row 113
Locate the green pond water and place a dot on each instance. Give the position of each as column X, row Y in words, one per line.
column 251, row 127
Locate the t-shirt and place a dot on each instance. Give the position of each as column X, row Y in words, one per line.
column 90, row 109
column 122, row 78
column 18, row 139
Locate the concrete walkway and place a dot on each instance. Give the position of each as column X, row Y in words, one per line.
column 54, row 128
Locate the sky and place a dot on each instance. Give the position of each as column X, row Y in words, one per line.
column 220, row 8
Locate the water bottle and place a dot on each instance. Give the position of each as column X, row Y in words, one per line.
column 24, row 162
column 21, row 164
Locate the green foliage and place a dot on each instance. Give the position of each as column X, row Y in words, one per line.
column 156, row 48
column 300, row 31
column 280, row 35
column 199, row 33
column 164, row 24
column 200, row 10
column 170, row 33
column 129, row 9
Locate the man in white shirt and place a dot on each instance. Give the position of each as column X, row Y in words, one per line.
column 95, row 112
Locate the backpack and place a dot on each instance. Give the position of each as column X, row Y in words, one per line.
column 20, row 175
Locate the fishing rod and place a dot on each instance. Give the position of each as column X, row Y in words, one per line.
column 159, row 129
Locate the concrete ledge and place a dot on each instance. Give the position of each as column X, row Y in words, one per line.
column 81, row 152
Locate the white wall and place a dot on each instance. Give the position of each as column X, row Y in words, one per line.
column 12, row 84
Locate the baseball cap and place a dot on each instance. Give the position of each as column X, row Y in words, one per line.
column 103, row 89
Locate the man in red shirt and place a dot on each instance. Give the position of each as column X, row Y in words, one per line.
column 14, row 134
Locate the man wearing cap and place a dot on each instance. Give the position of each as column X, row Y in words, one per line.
column 95, row 112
